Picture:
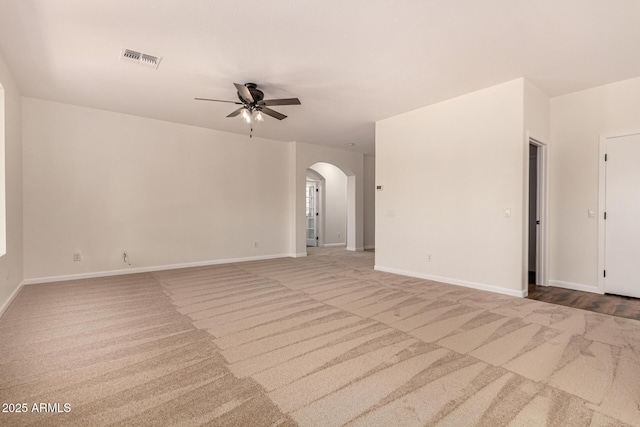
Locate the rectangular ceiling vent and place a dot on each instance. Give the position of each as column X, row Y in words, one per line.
column 140, row 58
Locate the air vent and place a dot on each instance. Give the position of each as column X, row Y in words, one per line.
column 131, row 55
column 140, row 58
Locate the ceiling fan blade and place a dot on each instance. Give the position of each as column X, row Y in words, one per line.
column 286, row 101
column 235, row 113
column 244, row 92
column 217, row 100
column 274, row 114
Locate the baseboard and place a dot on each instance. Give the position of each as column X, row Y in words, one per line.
column 575, row 286
column 369, row 247
column 9, row 300
column 334, row 245
column 135, row 270
column 450, row 281
column 300, row 255
column 352, row 249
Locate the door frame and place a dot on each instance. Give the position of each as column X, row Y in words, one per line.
column 542, row 247
column 319, row 209
column 602, row 203
column 314, row 186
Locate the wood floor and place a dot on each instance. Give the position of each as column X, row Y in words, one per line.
column 607, row 304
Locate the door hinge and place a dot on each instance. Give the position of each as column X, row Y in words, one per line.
column 605, row 273
column 316, row 237
column 605, row 157
column 605, row 215
column 317, row 214
column 317, row 190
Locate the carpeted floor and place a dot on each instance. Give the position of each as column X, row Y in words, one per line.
column 323, row 340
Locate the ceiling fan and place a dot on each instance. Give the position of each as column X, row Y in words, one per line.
column 253, row 103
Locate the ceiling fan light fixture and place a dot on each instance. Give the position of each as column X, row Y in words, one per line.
column 253, row 105
column 245, row 115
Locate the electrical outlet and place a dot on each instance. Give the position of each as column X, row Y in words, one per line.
column 77, row 257
column 428, row 257
column 339, row 235
column 256, row 244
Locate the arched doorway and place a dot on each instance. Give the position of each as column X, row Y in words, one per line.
column 352, row 165
column 3, row 212
column 326, row 206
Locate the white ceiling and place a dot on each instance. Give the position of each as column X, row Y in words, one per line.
column 350, row 62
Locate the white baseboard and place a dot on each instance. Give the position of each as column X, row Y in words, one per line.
column 334, row 245
column 450, row 281
column 92, row 275
column 575, row 286
column 352, row 249
column 300, row 255
column 9, row 300
column 369, row 247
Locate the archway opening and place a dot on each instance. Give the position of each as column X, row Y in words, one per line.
column 351, row 165
column 3, row 211
column 326, row 201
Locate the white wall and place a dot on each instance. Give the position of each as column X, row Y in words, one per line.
column 334, row 207
column 536, row 126
column 11, row 265
column 449, row 172
column 536, row 114
column 369, row 202
column 577, row 121
column 98, row 183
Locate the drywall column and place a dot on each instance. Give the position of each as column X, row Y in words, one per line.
column 369, row 205
column 294, row 203
column 355, row 218
column 537, row 126
column 11, row 263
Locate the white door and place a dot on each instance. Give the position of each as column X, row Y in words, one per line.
column 312, row 214
column 622, row 224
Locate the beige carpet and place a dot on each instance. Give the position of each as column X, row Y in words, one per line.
column 322, row 340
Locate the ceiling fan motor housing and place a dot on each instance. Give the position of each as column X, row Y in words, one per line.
column 256, row 93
